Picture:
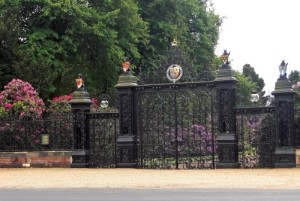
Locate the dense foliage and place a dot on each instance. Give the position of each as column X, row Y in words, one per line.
column 48, row 42
column 60, row 104
column 294, row 77
column 249, row 72
column 192, row 23
column 250, row 82
column 244, row 88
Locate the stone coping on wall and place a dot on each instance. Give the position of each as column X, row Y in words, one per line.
column 35, row 159
column 53, row 159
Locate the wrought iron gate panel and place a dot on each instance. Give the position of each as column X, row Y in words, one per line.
column 256, row 131
column 156, row 145
column 103, row 129
column 175, row 126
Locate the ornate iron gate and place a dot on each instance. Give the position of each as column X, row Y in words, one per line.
column 256, row 131
column 176, row 126
column 103, row 130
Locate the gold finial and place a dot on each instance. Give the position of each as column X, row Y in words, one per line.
column 225, row 56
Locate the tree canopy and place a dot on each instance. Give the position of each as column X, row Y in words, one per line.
column 190, row 22
column 48, row 42
column 249, row 72
column 294, row 76
column 244, row 89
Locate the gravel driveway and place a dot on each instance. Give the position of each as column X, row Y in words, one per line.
column 137, row 178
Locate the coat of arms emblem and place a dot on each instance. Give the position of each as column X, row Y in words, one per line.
column 174, row 72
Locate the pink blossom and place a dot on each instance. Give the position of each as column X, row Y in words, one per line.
column 20, row 91
column 7, row 106
column 55, row 99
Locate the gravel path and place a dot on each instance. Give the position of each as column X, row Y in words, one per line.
column 137, row 178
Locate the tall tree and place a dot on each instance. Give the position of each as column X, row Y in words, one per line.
column 190, row 22
column 294, row 76
column 131, row 33
column 244, row 89
column 9, row 37
column 58, row 39
column 48, row 42
column 249, row 72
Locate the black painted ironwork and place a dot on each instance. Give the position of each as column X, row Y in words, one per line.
column 80, row 135
column 176, row 56
column 103, row 129
column 226, row 98
column 256, row 131
column 176, row 126
column 284, row 96
column 285, row 114
column 127, row 141
column 26, row 134
column 126, row 113
column 297, row 126
column 226, row 139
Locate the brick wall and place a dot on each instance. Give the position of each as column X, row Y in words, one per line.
column 35, row 159
column 298, row 157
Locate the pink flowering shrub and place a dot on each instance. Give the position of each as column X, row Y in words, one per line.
column 20, row 99
column 21, row 110
column 60, row 104
column 95, row 105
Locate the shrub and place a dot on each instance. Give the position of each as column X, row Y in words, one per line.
column 60, row 104
column 95, row 105
column 20, row 111
column 20, row 99
column 194, row 140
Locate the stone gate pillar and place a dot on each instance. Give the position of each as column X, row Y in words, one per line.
column 127, row 141
column 80, row 104
column 227, row 141
column 284, row 106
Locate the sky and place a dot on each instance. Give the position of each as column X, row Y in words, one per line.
column 261, row 33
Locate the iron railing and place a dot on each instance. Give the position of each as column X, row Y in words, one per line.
column 297, row 127
column 256, row 132
column 53, row 132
